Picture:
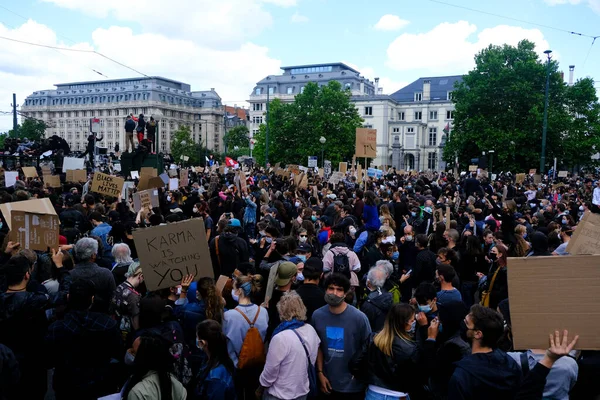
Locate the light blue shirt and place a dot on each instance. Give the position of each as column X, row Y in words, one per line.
column 235, row 327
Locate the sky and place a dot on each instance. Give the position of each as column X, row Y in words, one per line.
column 229, row 45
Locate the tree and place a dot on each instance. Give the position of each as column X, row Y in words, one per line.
column 295, row 128
column 236, row 136
column 500, row 106
column 32, row 129
column 182, row 144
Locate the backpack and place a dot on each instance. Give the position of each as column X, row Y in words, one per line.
column 395, row 292
column 341, row 264
column 252, row 352
column 311, row 371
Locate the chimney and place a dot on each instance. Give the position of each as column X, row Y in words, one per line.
column 376, row 85
column 212, row 89
column 571, row 73
column 426, row 90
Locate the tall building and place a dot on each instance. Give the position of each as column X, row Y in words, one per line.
column 292, row 82
column 414, row 120
column 68, row 109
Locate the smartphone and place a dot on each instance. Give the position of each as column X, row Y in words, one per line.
column 409, row 272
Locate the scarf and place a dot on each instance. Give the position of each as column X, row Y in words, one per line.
column 284, row 325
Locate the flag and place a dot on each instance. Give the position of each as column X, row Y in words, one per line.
column 230, row 162
column 447, row 128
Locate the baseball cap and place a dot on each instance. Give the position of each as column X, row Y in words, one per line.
column 285, row 272
column 304, row 247
column 134, row 269
column 235, row 222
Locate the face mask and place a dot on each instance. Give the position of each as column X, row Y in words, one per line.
column 580, row 209
column 178, row 291
column 413, row 214
column 426, row 308
column 301, row 257
column 333, row 300
column 352, row 230
column 524, row 235
column 314, row 218
column 195, row 210
column 268, row 239
column 564, row 222
column 532, row 205
column 300, row 276
column 262, row 233
column 427, row 210
column 235, row 297
column 395, row 255
column 199, row 344
column 302, row 239
column 353, row 195
column 493, row 256
column 413, row 327
column 408, row 238
column 129, row 358
column 168, row 198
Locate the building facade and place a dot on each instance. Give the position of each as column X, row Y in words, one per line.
column 414, row 122
column 292, row 82
column 67, row 110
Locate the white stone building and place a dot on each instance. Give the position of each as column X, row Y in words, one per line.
column 68, row 109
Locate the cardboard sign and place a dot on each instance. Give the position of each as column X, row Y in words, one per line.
column 148, row 171
column 586, row 239
column 532, row 171
column 135, row 174
column 541, row 300
column 343, row 167
column 30, row 172
column 303, row 184
column 359, row 174
column 72, row 163
column 448, row 218
column 184, row 179
column 563, row 174
column 173, row 184
column 10, row 178
column 172, row 173
column 321, row 172
column 222, row 170
column 145, row 198
column 34, row 231
column 52, row 181
column 537, row 179
column 472, row 168
column 199, row 170
column 169, row 252
column 76, row 175
column 221, row 282
column 243, row 183
column 107, row 185
column 147, row 182
column 520, row 178
column 366, row 142
column 46, row 170
column 35, row 206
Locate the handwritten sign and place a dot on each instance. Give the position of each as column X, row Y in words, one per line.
column 343, row 167
column 169, row 252
column 563, row 174
column 107, row 185
column 173, row 184
column 76, row 175
column 520, row 178
column 145, row 198
column 34, row 231
column 148, row 171
column 184, row 179
column 243, row 184
column 586, row 239
column 472, row 168
column 30, row 172
column 52, row 181
column 366, row 142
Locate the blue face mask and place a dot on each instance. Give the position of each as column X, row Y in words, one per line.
column 301, row 257
column 428, row 210
column 426, row 308
column 299, row 276
column 413, row 327
column 268, row 240
column 235, row 297
column 413, row 214
column 314, row 218
column 564, row 222
column 395, row 255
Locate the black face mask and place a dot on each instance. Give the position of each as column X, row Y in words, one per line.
column 493, row 256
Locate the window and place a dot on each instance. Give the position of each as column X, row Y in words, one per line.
column 432, row 136
column 271, row 90
column 401, row 116
column 395, row 130
column 418, row 115
column 449, row 96
column 431, row 159
column 258, row 91
column 257, row 107
column 290, row 90
column 109, row 113
column 433, row 115
column 68, row 114
column 369, row 110
column 76, row 113
column 257, row 119
column 410, row 130
column 449, row 114
column 254, row 132
column 301, row 89
column 418, row 96
column 348, row 86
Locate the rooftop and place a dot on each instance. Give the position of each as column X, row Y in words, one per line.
column 335, row 64
column 440, row 86
column 141, row 78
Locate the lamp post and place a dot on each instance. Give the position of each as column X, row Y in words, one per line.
column 322, row 140
column 545, row 125
column 491, row 153
column 267, row 132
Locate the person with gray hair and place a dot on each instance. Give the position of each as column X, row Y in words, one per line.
column 86, row 252
column 386, row 266
column 379, row 301
column 122, row 254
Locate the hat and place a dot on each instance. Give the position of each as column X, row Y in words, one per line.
column 271, row 210
column 332, row 196
column 62, row 240
column 304, row 247
column 134, row 269
column 285, row 272
column 235, row 223
column 518, row 215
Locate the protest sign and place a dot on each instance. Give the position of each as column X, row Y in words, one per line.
column 520, row 178
column 472, row 168
column 221, row 282
column 551, row 282
column 128, row 187
column 563, row 174
column 586, row 239
column 374, row 173
column 222, row 170
column 52, row 181
column 184, row 179
column 366, row 142
column 148, row 182
column 135, row 174
column 359, row 174
column 30, row 172
column 76, row 175
column 10, row 178
column 312, row 162
column 145, row 198
column 532, row 171
column 34, row 231
column 321, row 172
column 537, row 178
column 148, row 171
column 303, row 184
column 46, row 170
column 169, row 252
column 107, row 185
column 173, row 184
column 327, row 168
column 172, row 173
column 243, row 184
column 199, row 170
column 72, row 163
column 336, row 178
column 214, row 181
column 343, row 167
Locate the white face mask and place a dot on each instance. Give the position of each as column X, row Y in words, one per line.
column 352, row 230
column 297, row 204
column 302, row 239
column 168, row 198
column 195, row 210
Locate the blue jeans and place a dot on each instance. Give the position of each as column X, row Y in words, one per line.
column 371, row 395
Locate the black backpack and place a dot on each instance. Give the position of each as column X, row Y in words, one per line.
column 341, row 264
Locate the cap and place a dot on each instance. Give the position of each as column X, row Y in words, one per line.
column 518, row 215
column 134, row 269
column 235, row 223
column 272, row 210
column 285, row 272
column 332, row 196
column 304, row 247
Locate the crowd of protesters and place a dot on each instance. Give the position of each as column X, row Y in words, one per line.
column 345, row 291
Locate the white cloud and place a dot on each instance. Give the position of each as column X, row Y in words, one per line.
column 232, row 72
column 593, row 4
column 390, row 22
column 213, row 23
column 449, row 48
column 299, row 18
column 557, row 2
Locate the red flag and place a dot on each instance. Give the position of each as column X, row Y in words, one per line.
column 230, row 162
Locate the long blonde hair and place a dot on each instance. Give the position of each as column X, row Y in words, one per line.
column 395, row 325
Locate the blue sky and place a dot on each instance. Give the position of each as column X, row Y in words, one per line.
column 231, row 44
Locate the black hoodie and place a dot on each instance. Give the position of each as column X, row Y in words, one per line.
column 376, row 308
column 487, row 376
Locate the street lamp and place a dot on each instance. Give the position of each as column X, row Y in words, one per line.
column 322, row 140
column 545, row 125
column 491, row 153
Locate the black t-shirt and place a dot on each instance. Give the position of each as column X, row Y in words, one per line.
column 312, row 296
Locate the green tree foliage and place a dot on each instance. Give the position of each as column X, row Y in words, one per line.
column 500, row 107
column 182, row 144
column 236, row 136
column 295, row 128
column 31, row 129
